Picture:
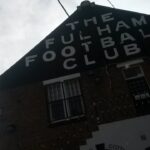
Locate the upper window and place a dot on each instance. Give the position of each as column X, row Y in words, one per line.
column 133, row 72
column 138, row 86
column 65, row 100
column 137, row 83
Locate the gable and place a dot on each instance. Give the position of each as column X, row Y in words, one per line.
column 93, row 36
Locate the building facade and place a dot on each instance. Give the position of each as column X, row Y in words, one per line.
column 63, row 110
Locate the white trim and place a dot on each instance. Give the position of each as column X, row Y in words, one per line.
column 136, row 77
column 61, row 79
column 129, row 63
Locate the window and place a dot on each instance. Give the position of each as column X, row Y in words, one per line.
column 65, row 100
column 138, row 87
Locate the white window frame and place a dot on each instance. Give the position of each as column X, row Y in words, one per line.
column 127, row 64
column 141, row 74
column 61, row 80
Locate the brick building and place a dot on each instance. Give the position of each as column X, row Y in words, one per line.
column 85, row 86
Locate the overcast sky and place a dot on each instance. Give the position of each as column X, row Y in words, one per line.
column 24, row 23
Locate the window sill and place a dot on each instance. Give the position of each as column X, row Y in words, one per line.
column 67, row 121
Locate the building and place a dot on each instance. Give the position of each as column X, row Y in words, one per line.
column 85, row 86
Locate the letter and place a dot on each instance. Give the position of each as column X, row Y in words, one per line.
column 87, row 61
column 121, row 24
column 49, row 42
column 84, row 37
column 125, row 37
column 86, row 45
column 143, row 34
column 131, row 49
column 68, row 51
column 66, row 63
column 72, row 25
column 71, row 39
column 111, row 57
column 86, row 21
column 107, row 42
column 138, row 22
column 49, row 56
column 107, row 29
column 29, row 59
column 107, row 17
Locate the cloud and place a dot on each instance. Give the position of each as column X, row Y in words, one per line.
column 23, row 24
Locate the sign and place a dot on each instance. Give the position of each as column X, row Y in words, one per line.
column 130, row 134
column 101, row 40
column 91, row 37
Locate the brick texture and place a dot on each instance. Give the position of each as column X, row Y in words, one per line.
column 24, row 113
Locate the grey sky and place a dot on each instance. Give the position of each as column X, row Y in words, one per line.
column 24, row 23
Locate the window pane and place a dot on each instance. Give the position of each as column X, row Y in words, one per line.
column 75, row 106
column 138, row 86
column 55, row 92
column 65, row 100
column 72, row 88
column 132, row 72
column 57, row 110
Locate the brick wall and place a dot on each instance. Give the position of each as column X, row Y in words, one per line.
column 24, row 118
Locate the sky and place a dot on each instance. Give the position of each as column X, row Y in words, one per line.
column 24, row 23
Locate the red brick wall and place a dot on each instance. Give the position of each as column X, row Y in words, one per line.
column 25, row 119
